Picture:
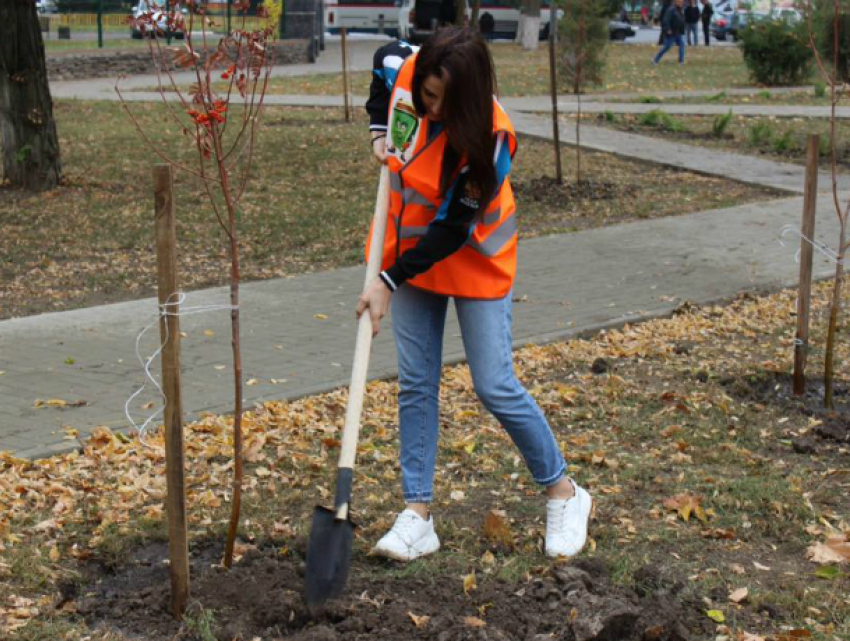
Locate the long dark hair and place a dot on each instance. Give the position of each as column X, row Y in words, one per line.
column 460, row 57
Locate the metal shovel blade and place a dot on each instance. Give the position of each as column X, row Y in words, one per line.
column 328, row 556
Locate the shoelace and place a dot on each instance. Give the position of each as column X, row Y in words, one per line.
column 404, row 525
column 556, row 518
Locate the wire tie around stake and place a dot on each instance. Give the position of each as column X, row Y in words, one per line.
column 819, row 246
column 168, row 308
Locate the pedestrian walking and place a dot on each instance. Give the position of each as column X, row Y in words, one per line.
column 666, row 5
column 706, row 15
column 673, row 29
column 449, row 147
column 692, row 16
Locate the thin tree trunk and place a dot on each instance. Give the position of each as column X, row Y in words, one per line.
column 578, row 140
column 553, row 85
column 835, row 307
column 579, row 81
column 832, row 331
column 236, row 504
column 476, row 9
column 27, row 128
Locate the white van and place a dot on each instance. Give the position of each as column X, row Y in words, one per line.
column 398, row 18
column 419, row 17
column 363, row 16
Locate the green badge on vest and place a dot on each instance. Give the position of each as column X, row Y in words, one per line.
column 405, row 122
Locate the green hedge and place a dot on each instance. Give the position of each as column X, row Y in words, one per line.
column 776, row 52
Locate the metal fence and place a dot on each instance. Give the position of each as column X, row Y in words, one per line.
column 79, row 24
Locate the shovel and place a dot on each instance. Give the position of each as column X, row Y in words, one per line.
column 332, row 531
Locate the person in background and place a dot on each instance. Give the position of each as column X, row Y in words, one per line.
column 707, row 13
column 644, row 15
column 673, row 30
column 691, row 22
column 665, row 7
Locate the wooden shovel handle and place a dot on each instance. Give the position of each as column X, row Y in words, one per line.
column 351, row 431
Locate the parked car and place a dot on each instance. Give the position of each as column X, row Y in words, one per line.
column 737, row 22
column 46, row 6
column 159, row 20
column 618, row 30
column 791, row 16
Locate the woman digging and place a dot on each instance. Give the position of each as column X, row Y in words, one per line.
column 452, row 235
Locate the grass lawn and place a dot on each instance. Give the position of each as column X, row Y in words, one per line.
column 710, row 486
column 526, row 73
column 780, row 139
column 307, row 206
column 807, row 98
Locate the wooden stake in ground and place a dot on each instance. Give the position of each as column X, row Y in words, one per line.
column 553, row 83
column 801, row 345
column 169, row 330
column 345, row 90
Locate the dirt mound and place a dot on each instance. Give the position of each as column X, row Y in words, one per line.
column 261, row 597
column 546, row 190
column 776, row 388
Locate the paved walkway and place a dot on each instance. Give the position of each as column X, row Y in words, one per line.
column 298, row 332
column 568, row 283
column 704, row 160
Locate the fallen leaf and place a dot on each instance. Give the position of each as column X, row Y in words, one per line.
column 457, row 495
column 209, row 332
column 836, row 549
column 321, row 316
column 497, row 530
column 474, row 622
column 219, row 367
column 418, row 620
column 759, row 566
column 469, row 583
column 739, row 596
column 251, row 381
column 487, row 558
column 715, row 615
column 737, row 568
column 686, row 504
column 827, row 572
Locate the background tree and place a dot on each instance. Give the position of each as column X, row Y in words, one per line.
column 221, row 121
column 831, row 35
column 583, row 38
column 528, row 29
column 27, row 127
column 821, row 11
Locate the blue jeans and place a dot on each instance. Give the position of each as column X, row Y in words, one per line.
column 669, row 41
column 418, row 320
column 692, row 29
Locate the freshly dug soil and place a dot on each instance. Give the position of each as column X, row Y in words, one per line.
column 546, row 190
column 261, row 597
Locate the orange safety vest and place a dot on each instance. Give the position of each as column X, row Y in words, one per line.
column 485, row 267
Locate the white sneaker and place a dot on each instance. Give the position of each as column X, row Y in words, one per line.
column 410, row 537
column 566, row 523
